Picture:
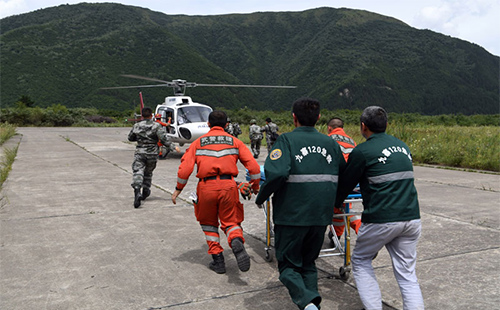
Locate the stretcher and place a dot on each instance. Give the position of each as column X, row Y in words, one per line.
column 337, row 248
column 267, row 214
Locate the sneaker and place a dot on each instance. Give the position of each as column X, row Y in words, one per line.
column 145, row 193
column 241, row 254
column 218, row 264
column 311, row 306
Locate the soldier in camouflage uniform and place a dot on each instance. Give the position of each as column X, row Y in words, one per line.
column 255, row 138
column 229, row 128
column 147, row 133
column 271, row 130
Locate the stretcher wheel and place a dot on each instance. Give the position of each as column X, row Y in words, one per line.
column 269, row 256
column 344, row 273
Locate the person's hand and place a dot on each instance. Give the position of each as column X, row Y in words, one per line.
column 177, row 149
column 255, row 188
column 174, row 196
column 244, row 189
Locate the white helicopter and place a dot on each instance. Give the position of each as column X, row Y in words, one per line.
column 188, row 119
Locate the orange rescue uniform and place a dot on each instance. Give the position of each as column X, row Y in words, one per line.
column 216, row 154
column 346, row 144
column 158, row 120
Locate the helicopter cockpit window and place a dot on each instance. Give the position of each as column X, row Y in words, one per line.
column 193, row 114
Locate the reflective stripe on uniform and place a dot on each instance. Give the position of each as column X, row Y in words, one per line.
column 217, row 154
column 181, row 181
column 254, row 176
column 346, row 150
column 231, row 229
column 308, row 178
column 212, row 238
column 339, row 222
column 210, row 228
column 396, row 176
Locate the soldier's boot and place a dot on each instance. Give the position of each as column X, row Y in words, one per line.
column 218, row 264
column 137, row 197
column 145, row 193
column 241, row 254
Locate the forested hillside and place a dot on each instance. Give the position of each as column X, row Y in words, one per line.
column 347, row 59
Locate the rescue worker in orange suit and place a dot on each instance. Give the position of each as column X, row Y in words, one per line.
column 166, row 125
column 347, row 144
column 216, row 154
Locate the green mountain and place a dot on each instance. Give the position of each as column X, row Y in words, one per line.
column 347, row 59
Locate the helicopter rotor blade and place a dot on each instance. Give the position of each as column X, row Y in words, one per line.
column 138, row 86
column 230, row 85
column 133, row 76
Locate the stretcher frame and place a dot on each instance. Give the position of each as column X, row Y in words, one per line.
column 336, row 250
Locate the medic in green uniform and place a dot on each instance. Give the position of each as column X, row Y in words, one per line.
column 302, row 172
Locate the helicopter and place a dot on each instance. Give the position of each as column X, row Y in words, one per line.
column 188, row 119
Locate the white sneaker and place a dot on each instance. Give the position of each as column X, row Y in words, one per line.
column 311, row 306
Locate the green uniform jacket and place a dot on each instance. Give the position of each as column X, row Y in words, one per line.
column 147, row 133
column 302, row 171
column 383, row 168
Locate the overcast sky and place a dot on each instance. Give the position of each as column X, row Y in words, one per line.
column 476, row 21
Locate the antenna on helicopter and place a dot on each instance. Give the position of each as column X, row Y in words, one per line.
column 179, row 85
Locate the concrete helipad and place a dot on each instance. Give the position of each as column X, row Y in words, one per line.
column 71, row 239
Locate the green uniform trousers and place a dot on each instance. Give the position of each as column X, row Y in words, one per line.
column 297, row 248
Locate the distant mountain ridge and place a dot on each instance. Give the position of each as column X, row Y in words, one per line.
column 347, row 59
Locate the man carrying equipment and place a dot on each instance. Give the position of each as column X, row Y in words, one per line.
column 271, row 130
column 255, row 134
column 391, row 217
column 148, row 134
column 216, row 154
column 302, row 171
column 347, row 144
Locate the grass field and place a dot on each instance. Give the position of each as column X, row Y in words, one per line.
column 7, row 131
column 468, row 147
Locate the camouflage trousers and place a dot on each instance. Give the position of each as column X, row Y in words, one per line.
column 255, row 146
column 142, row 168
column 270, row 144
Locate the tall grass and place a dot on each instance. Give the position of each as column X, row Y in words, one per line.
column 472, row 147
column 456, row 146
column 7, row 131
column 6, row 164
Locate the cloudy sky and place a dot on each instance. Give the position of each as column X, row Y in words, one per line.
column 476, row 21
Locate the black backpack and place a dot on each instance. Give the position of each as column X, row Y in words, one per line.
column 274, row 136
column 237, row 129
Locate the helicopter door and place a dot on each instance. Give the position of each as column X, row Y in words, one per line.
column 165, row 115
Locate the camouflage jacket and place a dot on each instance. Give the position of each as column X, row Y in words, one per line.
column 269, row 129
column 229, row 129
column 255, row 132
column 147, row 133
